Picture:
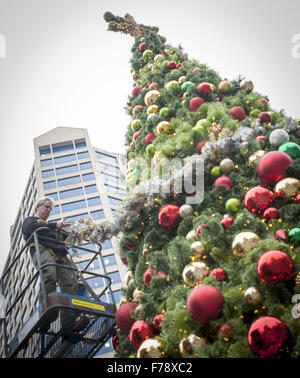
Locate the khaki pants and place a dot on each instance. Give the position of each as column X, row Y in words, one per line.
column 67, row 279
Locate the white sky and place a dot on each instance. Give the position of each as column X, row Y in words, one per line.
column 63, row 68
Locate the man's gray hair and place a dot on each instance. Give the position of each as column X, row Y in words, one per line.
column 41, row 202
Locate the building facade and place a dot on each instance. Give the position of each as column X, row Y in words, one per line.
column 83, row 181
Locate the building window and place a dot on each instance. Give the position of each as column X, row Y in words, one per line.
column 110, row 168
column 99, row 214
column 87, row 165
column 88, row 177
column 54, row 196
column 44, row 150
column 90, row 189
column 55, row 210
column 94, row 201
column 48, row 173
column 102, row 156
column 70, row 193
column 76, row 205
column 114, row 201
column 59, row 147
column 75, row 218
column 83, row 155
column 112, row 179
column 46, row 162
column 109, row 260
column 113, row 189
column 80, row 143
column 106, row 244
column 67, row 169
column 115, row 277
column 64, row 159
column 69, row 181
column 118, row 294
column 95, row 282
column 49, row 185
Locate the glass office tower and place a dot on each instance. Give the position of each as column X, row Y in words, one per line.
column 83, row 181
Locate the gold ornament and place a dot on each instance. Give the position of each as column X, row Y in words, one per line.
column 198, row 248
column 252, row 295
column 191, row 236
column 172, row 84
column 152, row 109
column 136, row 294
column 145, row 249
column 193, row 272
column 158, row 57
column 287, row 187
column 243, row 242
column 226, row 165
column 123, row 300
column 150, row 348
column 297, row 280
column 247, row 86
column 224, row 86
column 164, row 127
column 182, row 79
column 190, row 346
column 132, row 144
column 128, row 277
column 185, row 210
column 255, row 157
column 151, row 97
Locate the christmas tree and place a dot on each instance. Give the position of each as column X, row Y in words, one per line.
column 213, row 271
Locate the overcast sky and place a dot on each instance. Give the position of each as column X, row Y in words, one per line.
column 59, row 66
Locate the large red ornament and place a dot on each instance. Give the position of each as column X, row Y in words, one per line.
column 168, row 216
column 227, row 222
column 205, row 303
column 219, row 273
column 271, row 213
column 264, row 117
column 258, row 199
column 195, row 103
column 149, row 138
column 204, row 88
column 274, row 267
column 271, row 166
column 223, row 182
column 237, row 112
column 140, row 331
column 123, row 316
column 136, row 91
column 269, row 337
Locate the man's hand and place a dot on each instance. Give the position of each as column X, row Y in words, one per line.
column 62, row 224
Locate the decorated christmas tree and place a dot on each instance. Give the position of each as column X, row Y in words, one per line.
column 213, row 256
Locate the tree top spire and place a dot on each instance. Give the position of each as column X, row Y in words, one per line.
column 127, row 25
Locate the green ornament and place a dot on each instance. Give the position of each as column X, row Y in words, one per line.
column 216, row 171
column 255, row 113
column 294, row 234
column 136, row 125
column 164, row 112
column 233, row 205
column 147, row 53
column 290, row 148
column 185, row 85
column 150, row 149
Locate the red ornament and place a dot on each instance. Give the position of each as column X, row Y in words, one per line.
column 196, row 69
column 269, row 337
column 205, row 303
column 204, row 88
column 136, row 109
column 148, row 276
column 260, row 138
column 123, row 316
column 153, row 85
column 227, row 222
column 130, row 245
column 280, row 234
column 200, row 228
column 171, row 65
column 219, row 273
column 274, row 267
column 136, row 135
column 200, row 145
column 298, row 198
column 149, row 138
column 136, row 91
column 124, row 260
column 264, row 117
column 271, row 213
column 157, row 322
column 115, row 342
column 195, row 103
column 271, row 166
column 142, row 46
column 224, row 330
column 168, row 216
column 223, row 182
column 258, row 199
column 140, row 331
column 237, row 112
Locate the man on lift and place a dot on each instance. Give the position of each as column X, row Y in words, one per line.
column 53, row 252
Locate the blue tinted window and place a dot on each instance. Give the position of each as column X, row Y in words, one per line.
column 69, row 181
column 59, row 147
column 44, row 150
column 114, row 201
column 49, row 185
column 106, row 244
column 67, row 169
column 105, row 167
column 94, row 201
column 100, row 155
column 55, row 210
column 48, row 173
column 90, row 189
column 95, row 282
column 108, row 178
column 75, row 218
column 118, row 294
column 115, row 276
column 73, row 205
column 83, row 155
column 45, row 163
column 71, row 193
column 54, row 196
column 113, row 189
column 88, row 177
column 80, row 143
column 99, row 214
column 109, row 260
column 93, row 266
column 86, row 165
column 64, row 159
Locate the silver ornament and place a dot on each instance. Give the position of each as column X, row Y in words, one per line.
column 278, row 137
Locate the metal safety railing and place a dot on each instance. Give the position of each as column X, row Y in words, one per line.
column 7, row 311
